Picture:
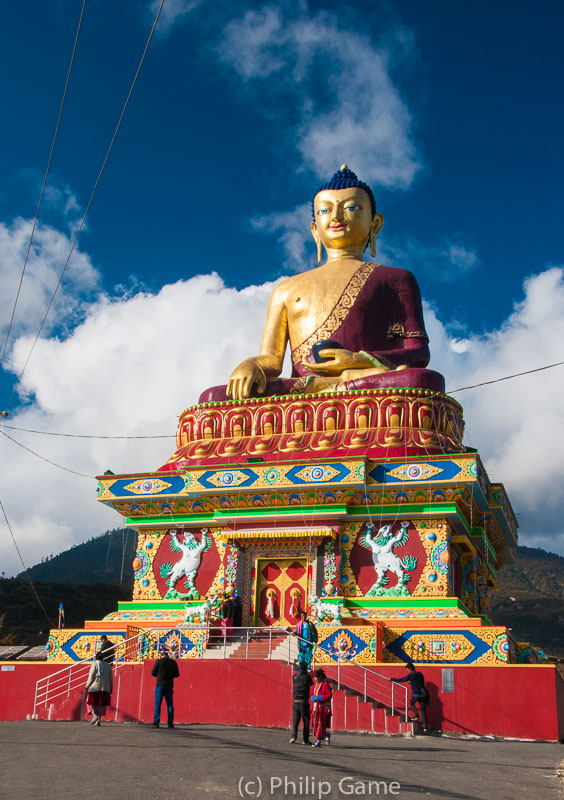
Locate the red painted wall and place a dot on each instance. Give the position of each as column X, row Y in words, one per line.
column 17, row 688
column 521, row 701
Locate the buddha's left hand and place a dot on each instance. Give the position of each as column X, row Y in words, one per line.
column 338, row 361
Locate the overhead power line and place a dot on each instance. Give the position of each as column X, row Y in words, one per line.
column 53, row 463
column 506, row 378
column 44, row 182
column 96, row 183
column 88, row 436
column 24, row 566
column 172, row 436
column 92, row 436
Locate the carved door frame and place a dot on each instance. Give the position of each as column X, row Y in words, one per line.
column 283, row 619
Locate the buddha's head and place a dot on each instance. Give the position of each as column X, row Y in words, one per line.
column 344, row 215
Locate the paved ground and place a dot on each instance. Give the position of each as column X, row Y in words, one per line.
column 59, row 760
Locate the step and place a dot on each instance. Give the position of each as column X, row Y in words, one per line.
column 351, row 713
column 69, row 709
column 364, row 717
column 338, row 718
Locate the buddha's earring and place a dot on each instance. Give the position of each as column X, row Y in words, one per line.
column 372, row 243
column 319, row 251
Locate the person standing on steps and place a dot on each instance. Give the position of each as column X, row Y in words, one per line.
column 226, row 612
column 165, row 670
column 307, row 638
column 107, row 649
column 419, row 694
column 99, row 686
column 300, row 708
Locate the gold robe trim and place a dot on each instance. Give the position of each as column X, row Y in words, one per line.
column 339, row 312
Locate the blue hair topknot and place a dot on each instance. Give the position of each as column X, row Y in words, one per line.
column 345, row 178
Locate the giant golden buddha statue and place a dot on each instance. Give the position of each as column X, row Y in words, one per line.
column 351, row 324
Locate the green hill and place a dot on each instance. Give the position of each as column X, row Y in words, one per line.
column 530, row 599
column 89, row 580
column 103, row 559
column 22, row 620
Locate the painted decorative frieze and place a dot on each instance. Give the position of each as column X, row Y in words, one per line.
column 402, row 559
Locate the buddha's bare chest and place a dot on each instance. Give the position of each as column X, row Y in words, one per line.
column 314, row 295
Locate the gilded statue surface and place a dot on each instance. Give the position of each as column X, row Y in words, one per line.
column 351, row 324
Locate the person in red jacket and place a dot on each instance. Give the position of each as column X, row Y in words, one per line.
column 321, row 708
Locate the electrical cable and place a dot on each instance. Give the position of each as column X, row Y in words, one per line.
column 44, row 182
column 81, row 225
column 172, row 436
column 24, row 566
column 164, row 436
column 53, row 463
column 87, row 436
column 506, row 378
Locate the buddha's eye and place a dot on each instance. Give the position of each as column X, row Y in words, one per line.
column 352, row 207
column 322, row 211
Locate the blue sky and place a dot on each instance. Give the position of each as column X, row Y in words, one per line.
column 452, row 111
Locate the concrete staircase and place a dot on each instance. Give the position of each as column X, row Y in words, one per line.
column 354, row 714
column 71, row 707
column 263, row 646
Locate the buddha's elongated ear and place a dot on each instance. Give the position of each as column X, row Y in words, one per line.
column 315, row 235
column 375, row 228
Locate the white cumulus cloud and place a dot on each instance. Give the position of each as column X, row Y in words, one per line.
column 516, row 424
column 332, row 88
column 448, row 258
column 49, row 251
column 129, row 369
column 134, row 364
column 174, row 11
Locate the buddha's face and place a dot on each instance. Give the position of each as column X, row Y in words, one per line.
column 343, row 218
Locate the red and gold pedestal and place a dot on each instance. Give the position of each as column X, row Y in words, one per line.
column 362, row 508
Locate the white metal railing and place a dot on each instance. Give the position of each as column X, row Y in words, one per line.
column 371, row 685
column 72, row 677
column 244, row 643
column 348, row 674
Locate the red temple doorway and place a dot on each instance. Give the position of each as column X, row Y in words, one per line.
column 281, row 590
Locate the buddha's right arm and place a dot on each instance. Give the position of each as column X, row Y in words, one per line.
column 268, row 364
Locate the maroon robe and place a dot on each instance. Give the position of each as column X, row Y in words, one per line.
column 320, row 712
column 380, row 313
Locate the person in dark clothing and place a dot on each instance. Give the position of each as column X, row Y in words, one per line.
column 300, row 708
column 419, row 693
column 107, row 649
column 165, row 670
column 226, row 613
column 237, row 611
